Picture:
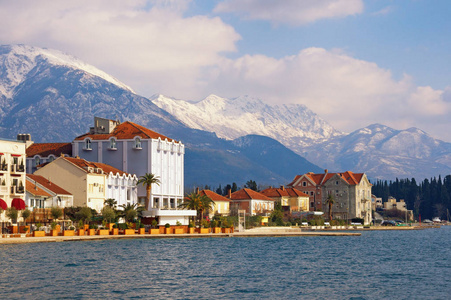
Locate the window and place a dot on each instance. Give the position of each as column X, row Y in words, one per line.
column 37, row 161
column 311, row 193
column 91, row 187
column 51, row 158
column 137, row 143
column 304, row 183
column 113, row 144
column 88, row 144
column 336, row 182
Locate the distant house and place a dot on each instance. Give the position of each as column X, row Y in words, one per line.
column 376, row 203
column 42, row 193
column 91, row 183
column 12, row 175
column 290, row 198
column 41, row 153
column 254, row 203
column 221, row 203
column 351, row 193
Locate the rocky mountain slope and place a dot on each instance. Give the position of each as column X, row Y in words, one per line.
column 54, row 97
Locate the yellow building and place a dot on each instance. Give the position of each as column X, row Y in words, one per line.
column 221, row 204
column 288, row 197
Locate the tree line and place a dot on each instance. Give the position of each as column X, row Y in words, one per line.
column 430, row 198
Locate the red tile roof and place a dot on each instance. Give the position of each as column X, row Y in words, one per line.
column 84, row 164
column 286, row 192
column 247, row 194
column 348, row 176
column 213, row 196
column 45, row 149
column 34, row 190
column 126, row 131
column 46, row 184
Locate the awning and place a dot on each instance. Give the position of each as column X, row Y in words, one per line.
column 16, row 155
column 18, row 203
column 3, row 204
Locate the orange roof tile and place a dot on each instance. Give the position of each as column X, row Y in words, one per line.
column 278, row 192
column 47, row 184
column 83, row 164
column 319, row 179
column 247, row 194
column 125, row 131
column 214, row 196
column 45, row 149
column 34, row 190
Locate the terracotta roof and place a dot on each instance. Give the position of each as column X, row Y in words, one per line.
column 213, row 196
column 45, row 149
column 126, row 131
column 348, row 176
column 47, row 184
column 286, row 192
column 84, row 164
column 247, row 194
column 35, row 190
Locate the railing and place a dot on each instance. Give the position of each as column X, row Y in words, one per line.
column 17, row 189
column 4, row 167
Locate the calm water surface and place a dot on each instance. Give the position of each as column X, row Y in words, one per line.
column 376, row 265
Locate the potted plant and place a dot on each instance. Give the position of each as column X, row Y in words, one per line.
column 114, row 230
column 154, row 229
column 70, row 231
column 167, row 228
column 179, row 229
column 13, row 214
column 205, row 227
column 225, row 227
column 91, row 230
column 81, row 228
column 54, row 231
column 141, row 229
column 103, row 231
column 214, row 227
column 191, row 228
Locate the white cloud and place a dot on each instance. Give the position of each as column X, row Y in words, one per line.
column 293, row 12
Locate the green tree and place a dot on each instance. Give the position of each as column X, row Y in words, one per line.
column 110, row 202
column 13, row 214
column 108, row 213
column 129, row 212
column 84, row 214
column 251, row 184
column 147, row 180
column 56, row 212
column 25, row 214
column 198, row 202
column 330, row 202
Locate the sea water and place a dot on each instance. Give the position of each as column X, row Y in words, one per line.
column 376, row 265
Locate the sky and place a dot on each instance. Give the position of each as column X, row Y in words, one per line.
column 353, row 62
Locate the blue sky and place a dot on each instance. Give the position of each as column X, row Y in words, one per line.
column 353, row 62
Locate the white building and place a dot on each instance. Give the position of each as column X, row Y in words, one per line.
column 12, row 175
column 91, row 183
column 42, row 193
column 138, row 150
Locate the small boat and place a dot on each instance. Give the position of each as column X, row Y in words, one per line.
column 436, row 220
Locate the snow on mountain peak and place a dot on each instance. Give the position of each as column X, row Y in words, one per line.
column 18, row 60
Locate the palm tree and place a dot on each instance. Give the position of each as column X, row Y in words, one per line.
column 197, row 202
column 330, row 201
column 110, row 202
column 147, row 180
column 130, row 211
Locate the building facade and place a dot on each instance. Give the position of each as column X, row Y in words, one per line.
column 254, row 203
column 12, row 175
column 42, row 193
column 41, row 153
column 351, row 193
column 221, row 204
column 290, row 198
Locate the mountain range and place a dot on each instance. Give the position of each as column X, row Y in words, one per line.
column 55, row 96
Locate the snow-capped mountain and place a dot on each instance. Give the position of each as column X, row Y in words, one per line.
column 293, row 125
column 54, row 97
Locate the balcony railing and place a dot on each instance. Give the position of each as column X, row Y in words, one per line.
column 17, row 190
column 4, row 167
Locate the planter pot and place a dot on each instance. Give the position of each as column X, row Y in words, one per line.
column 13, row 229
column 91, row 232
column 68, row 232
column 114, row 231
column 191, row 230
column 154, row 231
column 54, row 232
column 204, row 230
column 103, row 232
column 226, row 230
column 129, row 231
column 81, row 232
column 232, row 230
column 178, row 231
column 216, row 229
column 110, row 225
column 22, row 229
column 168, row 230
column 141, row 230
column 86, row 227
column 38, row 233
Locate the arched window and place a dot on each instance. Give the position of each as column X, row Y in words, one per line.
column 37, row 161
column 137, row 143
column 113, row 143
column 51, row 158
column 88, row 144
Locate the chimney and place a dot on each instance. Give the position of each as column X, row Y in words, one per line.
column 230, row 194
column 325, row 171
column 282, row 187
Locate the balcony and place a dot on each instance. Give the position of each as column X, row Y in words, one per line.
column 4, row 167
column 17, row 190
column 17, row 168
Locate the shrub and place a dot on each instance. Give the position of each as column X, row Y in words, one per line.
column 141, row 225
column 122, row 226
column 53, row 225
column 167, row 225
column 190, row 225
column 213, row 223
column 115, row 226
column 178, row 223
column 154, row 223
column 56, row 212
